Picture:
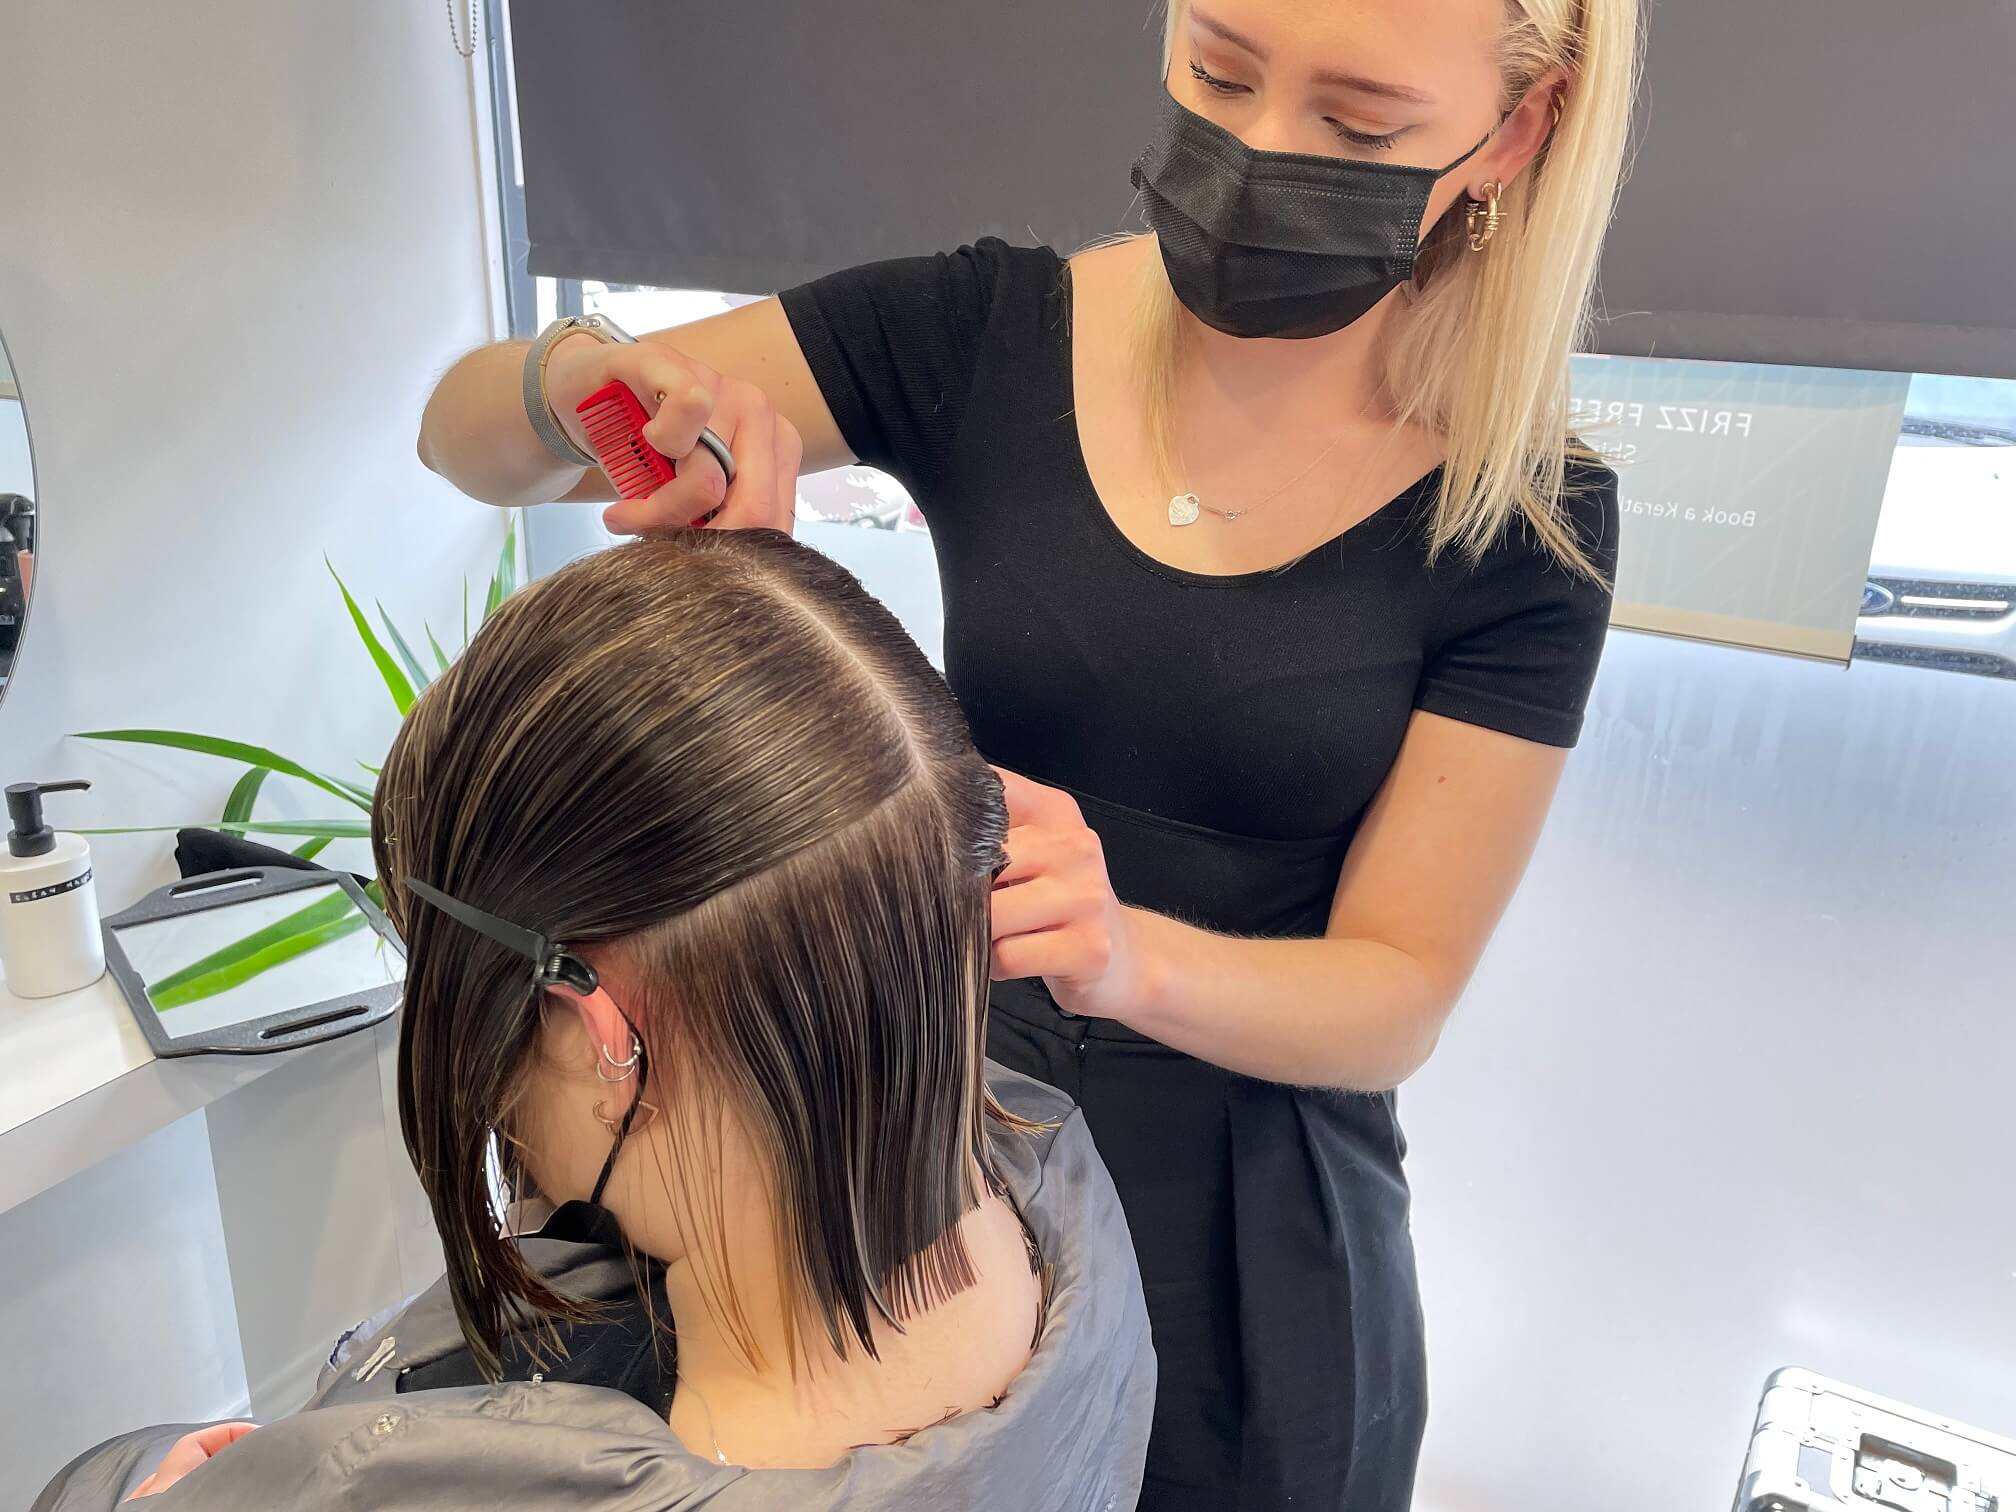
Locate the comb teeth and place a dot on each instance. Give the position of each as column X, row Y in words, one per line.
column 614, row 421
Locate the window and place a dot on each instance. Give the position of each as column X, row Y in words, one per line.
column 1942, row 577
column 1938, row 589
column 856, row 496
column 860, row 517
column 1821, row 512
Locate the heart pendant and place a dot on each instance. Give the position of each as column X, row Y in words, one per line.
column 1184, row 509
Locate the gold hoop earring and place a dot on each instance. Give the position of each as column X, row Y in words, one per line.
column 1481, row 219
column 646, row 1111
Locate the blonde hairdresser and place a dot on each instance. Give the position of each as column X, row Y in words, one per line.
column 1273, row 575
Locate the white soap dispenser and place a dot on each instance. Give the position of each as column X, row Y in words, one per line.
column 49, row 935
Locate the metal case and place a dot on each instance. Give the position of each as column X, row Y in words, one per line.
column 1820, row 1446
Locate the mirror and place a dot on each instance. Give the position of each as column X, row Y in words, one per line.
column 259, row 959
column 17, row 520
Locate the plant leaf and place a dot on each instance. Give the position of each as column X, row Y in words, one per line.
column 440, row 656
column 322, row 911
column 306, row 929
column 504, row 581
column 395, row 679
column 245, row 793
column 230, row 750
column 308, row 850
column 414, row 670
column 365, row 796
column 507, row 559
column 465, row 614
column 374, row 771
column 320, row 829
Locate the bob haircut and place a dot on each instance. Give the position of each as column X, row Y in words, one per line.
column 718, row 767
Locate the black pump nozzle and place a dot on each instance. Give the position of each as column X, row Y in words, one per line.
column 31, row 836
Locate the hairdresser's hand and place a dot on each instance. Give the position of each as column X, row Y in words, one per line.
column 1055, row 915
column 189, row 1452
column 683, row 396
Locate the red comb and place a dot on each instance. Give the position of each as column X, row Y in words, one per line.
column 614, row 421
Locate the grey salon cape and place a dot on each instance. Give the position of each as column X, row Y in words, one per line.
column 1069, row 1436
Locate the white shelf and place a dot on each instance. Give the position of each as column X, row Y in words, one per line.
column 78, row 1083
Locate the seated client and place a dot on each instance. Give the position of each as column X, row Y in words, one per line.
column 691, row 853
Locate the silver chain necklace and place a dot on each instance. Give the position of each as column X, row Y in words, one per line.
column 1184, row 508
column 467, row 48
column 713, row 1438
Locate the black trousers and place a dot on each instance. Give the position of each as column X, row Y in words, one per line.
column 1271, row 1227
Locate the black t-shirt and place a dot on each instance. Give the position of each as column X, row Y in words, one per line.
column 626, row 1345
column 1223, row 734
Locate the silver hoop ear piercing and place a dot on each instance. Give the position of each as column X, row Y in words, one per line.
column 625, row 1069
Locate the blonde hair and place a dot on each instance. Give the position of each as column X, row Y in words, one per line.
column 1480, row 354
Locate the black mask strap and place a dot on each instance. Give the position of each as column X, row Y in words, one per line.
column 1483, row 142
column 623, row 1128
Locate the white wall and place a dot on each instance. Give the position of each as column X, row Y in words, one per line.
column 1733, row 1088
column 126, row 1259
column 241, row 240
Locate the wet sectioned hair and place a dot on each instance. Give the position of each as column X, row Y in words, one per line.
column 722, row 771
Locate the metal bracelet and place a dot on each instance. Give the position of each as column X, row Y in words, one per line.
column 538, row 407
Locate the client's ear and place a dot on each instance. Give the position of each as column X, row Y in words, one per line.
column 607, row 1028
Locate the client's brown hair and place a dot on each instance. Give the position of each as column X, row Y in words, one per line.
column 718, row 758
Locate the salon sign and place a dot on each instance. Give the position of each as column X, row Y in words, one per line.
column 1749, row 494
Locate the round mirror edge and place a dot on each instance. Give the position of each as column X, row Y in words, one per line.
column 10, row 391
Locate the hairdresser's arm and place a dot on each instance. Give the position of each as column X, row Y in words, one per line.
column 1431, row 870
column 741, row 373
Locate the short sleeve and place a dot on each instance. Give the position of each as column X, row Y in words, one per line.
column 1519, row 642
column 893, row 347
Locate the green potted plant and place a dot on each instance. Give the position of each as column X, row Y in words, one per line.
column 405, row 676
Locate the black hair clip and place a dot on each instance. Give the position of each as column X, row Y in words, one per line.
column 551, row 966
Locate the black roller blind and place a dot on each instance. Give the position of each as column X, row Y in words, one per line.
column 1823, row 182
column 752, row 144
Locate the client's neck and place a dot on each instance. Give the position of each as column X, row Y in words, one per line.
column 748, row 1396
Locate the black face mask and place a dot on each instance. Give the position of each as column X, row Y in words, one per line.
column 1278, row 243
